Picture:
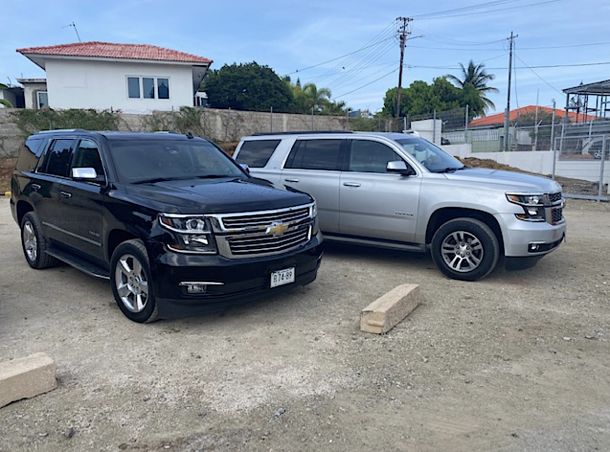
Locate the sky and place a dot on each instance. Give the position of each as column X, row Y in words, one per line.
column 291, row 37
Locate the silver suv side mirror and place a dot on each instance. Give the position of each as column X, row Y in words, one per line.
column 400, row 167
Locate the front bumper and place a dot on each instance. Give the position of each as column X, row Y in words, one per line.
column 241, row 280
column 529, row 239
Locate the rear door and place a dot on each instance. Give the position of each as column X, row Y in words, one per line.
column 373, row 202
column 313, row 166
column 49, row 177
column 256, row 154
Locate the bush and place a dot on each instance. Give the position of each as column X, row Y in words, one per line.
column 31, row 121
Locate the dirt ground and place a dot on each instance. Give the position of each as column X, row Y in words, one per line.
column 519, row 361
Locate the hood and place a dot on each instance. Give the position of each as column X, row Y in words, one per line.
column 505, row 180
column 226, row 195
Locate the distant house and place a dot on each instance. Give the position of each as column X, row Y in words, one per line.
column 102, row 75
column 497, row 120
column 12, row 94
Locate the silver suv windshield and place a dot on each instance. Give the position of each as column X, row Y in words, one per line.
column 433, row 158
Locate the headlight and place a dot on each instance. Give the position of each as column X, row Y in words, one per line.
column 314, row 210
column 532, row 204
column 190, row 234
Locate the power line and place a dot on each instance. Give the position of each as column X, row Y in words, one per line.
column 545, row 66
column 537, row 75
column 369, row 83
column 491, row 11
column 462, row 9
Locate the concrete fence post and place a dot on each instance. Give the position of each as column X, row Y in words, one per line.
column 271, row 120
column 602, row 163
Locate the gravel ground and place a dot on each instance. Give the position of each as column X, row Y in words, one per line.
column 519, row 361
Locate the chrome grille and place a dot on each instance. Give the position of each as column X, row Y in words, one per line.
column 263, row 243
column 265, row 219
column 556, row 215
column 555, row 197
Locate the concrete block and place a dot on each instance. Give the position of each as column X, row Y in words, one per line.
column 388, row 310
column 27, row 377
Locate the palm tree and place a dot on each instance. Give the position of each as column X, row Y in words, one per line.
column 4, row 102
column 475, row 76
column 315, row 97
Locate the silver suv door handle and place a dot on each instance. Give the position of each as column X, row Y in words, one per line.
column 65, row 194
column 292, row 180
column 351, row 184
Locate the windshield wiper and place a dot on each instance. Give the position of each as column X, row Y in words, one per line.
column 154, row 180
column 215, row 176
column 450, row 169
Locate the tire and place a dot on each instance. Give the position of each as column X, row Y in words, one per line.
column 465, row 249
column 34, row 243
column 131, row 282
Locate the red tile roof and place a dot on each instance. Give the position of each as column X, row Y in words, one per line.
column 498, row 118
column 96, row 49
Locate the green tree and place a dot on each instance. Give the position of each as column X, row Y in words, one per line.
column 422, row 98
column 248, row 86
column 310, row 96
column 474, row 81
column 5, row 102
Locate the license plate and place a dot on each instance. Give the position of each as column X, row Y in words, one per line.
column 281, row 277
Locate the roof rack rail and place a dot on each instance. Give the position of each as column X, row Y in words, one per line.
column 63, row 130
column 300, row 132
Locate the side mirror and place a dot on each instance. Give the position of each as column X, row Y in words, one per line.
column 245, row 167
column 400, row 167
column 86, row 175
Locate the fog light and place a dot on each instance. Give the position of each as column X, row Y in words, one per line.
column 196, row 288
column 534, row 247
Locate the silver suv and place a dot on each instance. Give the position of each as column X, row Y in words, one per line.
column 400, row 191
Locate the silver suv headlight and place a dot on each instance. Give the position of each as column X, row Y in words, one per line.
column 190, row 233
column 532, row 204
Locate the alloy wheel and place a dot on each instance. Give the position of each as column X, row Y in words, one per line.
column 30, row 242
column 462, row 251
column 131, row 283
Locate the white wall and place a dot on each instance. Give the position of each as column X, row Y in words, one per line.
column 428, row 130
column 103, row 85
column 538, row 162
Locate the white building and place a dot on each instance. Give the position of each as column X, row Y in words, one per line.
column 134, row 78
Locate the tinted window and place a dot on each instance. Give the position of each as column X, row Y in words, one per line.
column 163, row 88
column 88, row 156
column 315, row 154
column 133, row 86
column 148, row 87
column 370, row 156
column 257, row 153
column 148, row 160
column 29, row 154
column 58, row 157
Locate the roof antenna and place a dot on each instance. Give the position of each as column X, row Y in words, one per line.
column 73, row 25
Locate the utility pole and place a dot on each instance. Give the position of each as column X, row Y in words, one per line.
column 403, row 33
column 73, row 25
column 510, row 70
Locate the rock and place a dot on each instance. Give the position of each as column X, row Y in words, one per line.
column 70, row 432
column 279, row 412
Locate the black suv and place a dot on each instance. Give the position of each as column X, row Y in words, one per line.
column 170, row 219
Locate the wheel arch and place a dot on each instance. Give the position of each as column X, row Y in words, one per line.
column 442, row 215
column 22, row 208
column 115, row 238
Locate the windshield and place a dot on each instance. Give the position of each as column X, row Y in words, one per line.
column 149, row 160
column 433, row 158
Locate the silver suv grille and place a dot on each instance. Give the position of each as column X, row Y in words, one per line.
column 555, row 215
column 263, row 243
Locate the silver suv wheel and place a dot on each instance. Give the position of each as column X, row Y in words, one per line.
column 131, row 283
column 462, row 251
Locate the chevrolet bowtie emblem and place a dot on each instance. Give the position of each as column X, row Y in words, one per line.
column 277, row 229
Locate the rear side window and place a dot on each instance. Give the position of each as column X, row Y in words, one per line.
column 58, row 158
column 257, row 153
column 370, row 156
column 29, row 154
column 315, row 154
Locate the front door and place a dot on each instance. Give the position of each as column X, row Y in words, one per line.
column 375, row 203
column 313, row 167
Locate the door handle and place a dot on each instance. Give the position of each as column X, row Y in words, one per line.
column 65, row 194
column 35, row 187
column 351, row 184
column 292, row 180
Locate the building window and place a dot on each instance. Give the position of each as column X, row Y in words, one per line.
column 163, row 88
column 133, row 86
column 42, row 99
column 148, row 87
